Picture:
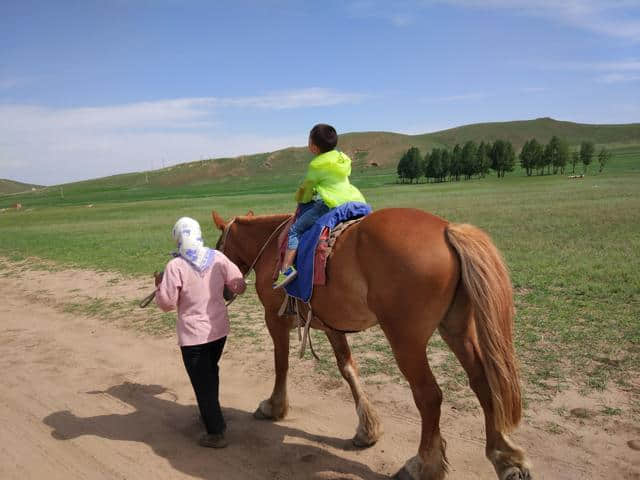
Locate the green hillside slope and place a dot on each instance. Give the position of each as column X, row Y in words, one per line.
column 374, row 154
column 10, row 186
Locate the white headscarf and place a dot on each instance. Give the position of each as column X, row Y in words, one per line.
column 188, row 238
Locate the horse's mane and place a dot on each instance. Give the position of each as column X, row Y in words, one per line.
column 261, row 219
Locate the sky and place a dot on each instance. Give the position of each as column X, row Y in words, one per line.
column 90, row 88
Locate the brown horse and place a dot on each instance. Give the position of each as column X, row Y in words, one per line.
column 409, row 272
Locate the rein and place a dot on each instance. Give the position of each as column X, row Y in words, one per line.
column 147, row 300
column 225, row 234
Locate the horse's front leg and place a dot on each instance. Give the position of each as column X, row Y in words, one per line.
column 277, row 406
column 369, row 427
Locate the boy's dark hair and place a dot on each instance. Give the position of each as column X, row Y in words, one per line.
column 324, row 137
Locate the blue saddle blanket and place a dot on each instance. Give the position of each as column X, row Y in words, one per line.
column 302, row 286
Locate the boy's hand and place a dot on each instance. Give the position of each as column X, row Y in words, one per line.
column 158, row 277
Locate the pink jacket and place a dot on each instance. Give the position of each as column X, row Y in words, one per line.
column 202, row 313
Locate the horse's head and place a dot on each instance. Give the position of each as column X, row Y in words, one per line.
column 228, row 243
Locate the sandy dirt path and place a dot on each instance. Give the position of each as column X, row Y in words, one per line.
column 85, row 398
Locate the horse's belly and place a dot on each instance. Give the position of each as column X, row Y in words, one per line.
column 342, row 302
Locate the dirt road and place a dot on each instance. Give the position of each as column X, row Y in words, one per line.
column 85, row 398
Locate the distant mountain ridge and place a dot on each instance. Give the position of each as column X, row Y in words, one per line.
column 374, row 149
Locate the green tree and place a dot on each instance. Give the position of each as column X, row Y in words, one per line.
column 468, row 159
column 543, row 159
column 587, row 149
column 503, row 158
column 445, row 160
column 561, row 157
column 402, row 168
column 537, row 153
column 435, row 165
column 575, row 159
column 482, row 159
column 414, row 164
column 530, row 156
column 603, row 158
column 554, row 155
column 455, row 168
column 425, row 166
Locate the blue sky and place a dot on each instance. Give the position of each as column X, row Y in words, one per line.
column 97, row 87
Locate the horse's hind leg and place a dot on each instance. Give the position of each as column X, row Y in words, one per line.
column 409, row 349
column 277, row 406
column 369, row 428
column 458, row 330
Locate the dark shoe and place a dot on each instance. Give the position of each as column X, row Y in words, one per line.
column 213, row 440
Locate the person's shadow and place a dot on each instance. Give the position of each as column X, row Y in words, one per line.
column 257, row 449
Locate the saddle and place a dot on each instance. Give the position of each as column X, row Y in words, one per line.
column 326, row 242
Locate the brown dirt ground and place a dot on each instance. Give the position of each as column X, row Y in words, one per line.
column 86, row 395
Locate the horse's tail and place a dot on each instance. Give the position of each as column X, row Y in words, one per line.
column 487, row 283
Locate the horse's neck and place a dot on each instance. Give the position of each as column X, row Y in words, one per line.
column 256, row 232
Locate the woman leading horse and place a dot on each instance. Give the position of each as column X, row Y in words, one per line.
column 411, row 273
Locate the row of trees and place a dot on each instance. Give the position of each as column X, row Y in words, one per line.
column 461, row 162
column 556, row 155
column 471, row 159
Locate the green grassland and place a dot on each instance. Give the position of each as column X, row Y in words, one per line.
column 571, row 245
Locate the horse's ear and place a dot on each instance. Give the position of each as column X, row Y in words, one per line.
column 218, row 220
column 250, row 213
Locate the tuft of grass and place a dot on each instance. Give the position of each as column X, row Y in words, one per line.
column 611, row 410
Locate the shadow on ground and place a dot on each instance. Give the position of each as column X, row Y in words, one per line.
column 258, row 449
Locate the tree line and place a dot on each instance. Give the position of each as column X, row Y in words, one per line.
column 555, row 156
column 472, row 159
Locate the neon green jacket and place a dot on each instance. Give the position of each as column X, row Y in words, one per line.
column 328, row 176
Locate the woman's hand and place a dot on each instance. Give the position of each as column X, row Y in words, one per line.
column 158, row 277
column 227, row 294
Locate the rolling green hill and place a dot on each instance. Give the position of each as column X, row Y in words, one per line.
column 374, row 154
column 10, row 186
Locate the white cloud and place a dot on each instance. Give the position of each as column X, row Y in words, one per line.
column 619, row 78
column 310, row 97
column 608, row 17
column 52, row 145
column 629, row 65
column 620, row 71
column 614, row 18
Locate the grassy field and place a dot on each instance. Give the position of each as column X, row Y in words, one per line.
column 571, row 245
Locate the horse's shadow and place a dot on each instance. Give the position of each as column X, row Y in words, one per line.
column 257, row 449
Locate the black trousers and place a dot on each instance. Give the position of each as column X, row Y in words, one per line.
column 201, row 362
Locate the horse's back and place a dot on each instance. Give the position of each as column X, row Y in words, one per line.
column 395, row 260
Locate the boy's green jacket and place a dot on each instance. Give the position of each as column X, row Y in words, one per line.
column 328, row 176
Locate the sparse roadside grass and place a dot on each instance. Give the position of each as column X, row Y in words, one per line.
column 571, row 245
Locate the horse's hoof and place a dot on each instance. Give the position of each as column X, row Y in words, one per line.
column 363, row 443
column 516, row 473
column 402, row 474
column 259, row 415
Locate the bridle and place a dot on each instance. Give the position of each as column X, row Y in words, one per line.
column 225, row 235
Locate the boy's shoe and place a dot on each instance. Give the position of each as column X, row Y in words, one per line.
column 213, row 440
column 285, row 277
